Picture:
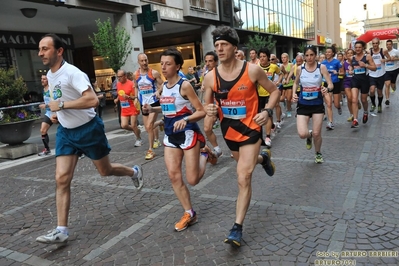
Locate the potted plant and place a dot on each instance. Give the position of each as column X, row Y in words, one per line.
column 16, row 114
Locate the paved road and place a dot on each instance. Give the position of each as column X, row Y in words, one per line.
column 347, row 207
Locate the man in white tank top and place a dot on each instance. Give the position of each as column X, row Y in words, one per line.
column 377, row 77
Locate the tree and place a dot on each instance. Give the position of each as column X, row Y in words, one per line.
column 274, row 28
column 257, row 41
column 113, row 44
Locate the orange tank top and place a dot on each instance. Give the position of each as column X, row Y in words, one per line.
column 238, row 102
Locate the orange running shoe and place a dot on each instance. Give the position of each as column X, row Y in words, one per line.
column 185, row 221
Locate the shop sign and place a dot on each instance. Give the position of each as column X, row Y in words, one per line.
column 29, row 40
column 321, row 40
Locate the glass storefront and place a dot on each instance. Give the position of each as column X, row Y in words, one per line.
column 187, row 50
column 293, row 18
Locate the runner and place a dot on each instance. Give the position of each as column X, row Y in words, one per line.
column 310, row 100
column 333, row 67
column 253, row 55
column 277, row 80
column 147, row 81
column 347, row 82
column 377, row 77
column 233, row 86
column 210, row 122
column 360, row 81
column 128, row 101
column 46, row 124
column 286, row 95
column 271, row 70
column 181, row 109
column 79, row 131
column 392, row 71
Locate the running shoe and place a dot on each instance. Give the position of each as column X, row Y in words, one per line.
column 212, row 158
column 387, row 102
column 267, row 163
column 340, row 111
column 156, row 144
column 355, row 124
column 149, row 155
column 52, row 237
column 289, row 114
column 268, row 143
column 379, row 109
column 82, row 156
column 318, row 158
column 282, row 119
column 218, row 154
column 309, row 141
column 185, row 221
column 161, row 125
column 45, row 152
column 350, row 118
column 330, row 126
column 138, row 180
column 365, row 118
column 278, row 125
column 215, row 125
column 138, row 143
column 234, row 237
column 372, row 109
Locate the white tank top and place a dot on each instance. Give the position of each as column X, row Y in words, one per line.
column 380, row 71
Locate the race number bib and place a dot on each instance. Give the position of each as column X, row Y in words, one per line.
column 359, row 70
column 125, row 104
column 233, row 109
column 310, row 93
column 168, row 105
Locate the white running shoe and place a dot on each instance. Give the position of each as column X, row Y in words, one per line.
column 138, row 181
column 138, row 143
column 53, row 236
column 268, row 143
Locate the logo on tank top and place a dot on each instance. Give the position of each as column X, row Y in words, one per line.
column 242, row 87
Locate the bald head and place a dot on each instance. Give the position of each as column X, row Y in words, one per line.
column 142, row 59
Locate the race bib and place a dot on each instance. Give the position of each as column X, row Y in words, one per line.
column 390, row 63
column 233, row 109
column 168, row 105
column 347, row 74
column 125, row 104
column 269, row 75
column 310, row 93
column 378, row 66
column 359, row 70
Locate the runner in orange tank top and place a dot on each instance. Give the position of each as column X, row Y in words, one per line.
column 232, row 85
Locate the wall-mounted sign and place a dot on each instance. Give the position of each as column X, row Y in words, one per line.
column 29, row 40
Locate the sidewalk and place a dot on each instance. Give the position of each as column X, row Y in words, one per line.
column 304, row 215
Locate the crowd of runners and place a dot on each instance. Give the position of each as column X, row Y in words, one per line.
column 247, row 99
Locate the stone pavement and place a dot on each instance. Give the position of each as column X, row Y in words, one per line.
column 306, row 214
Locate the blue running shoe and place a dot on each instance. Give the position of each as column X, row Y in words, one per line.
column 234, row 237
column 267, row 163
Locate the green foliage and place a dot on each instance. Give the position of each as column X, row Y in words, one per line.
column 12, row 90
column 257, row 41
column 112, row 43
column 274, row 28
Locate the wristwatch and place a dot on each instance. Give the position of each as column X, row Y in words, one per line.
column 61, row 105
column 186, row 119
column 269, row 111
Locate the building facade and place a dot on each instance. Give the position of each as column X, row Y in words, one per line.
column 185, row 24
